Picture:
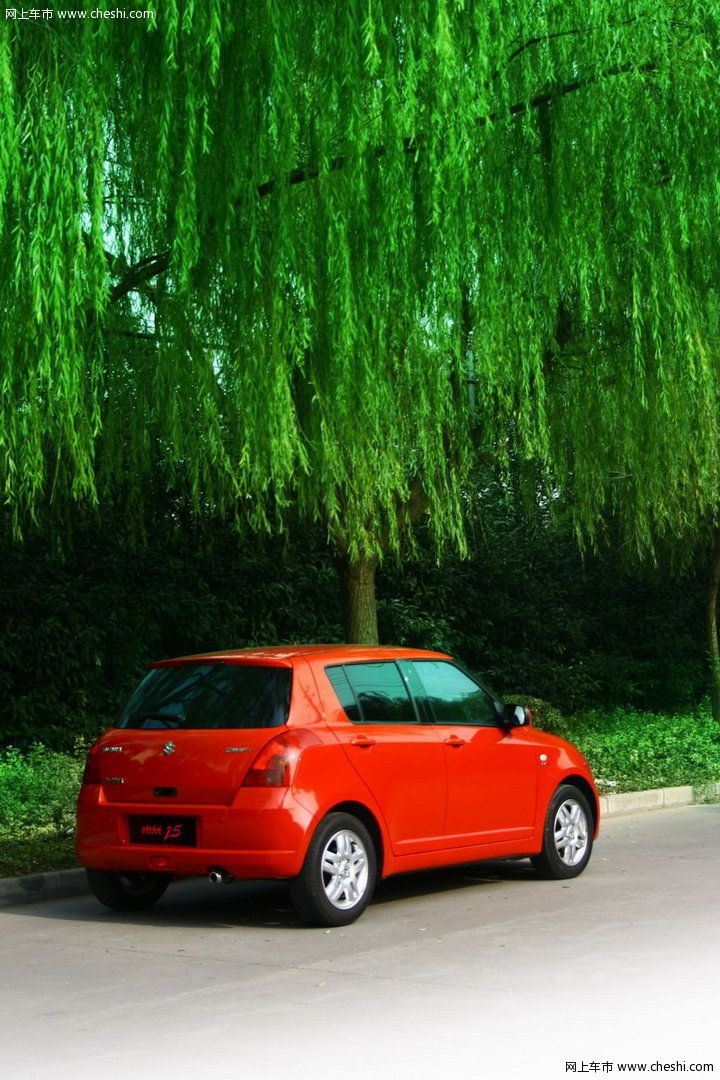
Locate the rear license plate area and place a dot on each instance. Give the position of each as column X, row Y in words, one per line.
column 166, row 831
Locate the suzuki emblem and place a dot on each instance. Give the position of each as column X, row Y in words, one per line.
column 169, row 748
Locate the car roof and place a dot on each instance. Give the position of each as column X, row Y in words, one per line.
column 286, row 654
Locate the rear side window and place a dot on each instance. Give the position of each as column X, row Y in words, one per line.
column 197, row 696
column 453, row 696
column 373, row 693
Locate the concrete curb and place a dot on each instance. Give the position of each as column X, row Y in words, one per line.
column 55, row 885
column 632, row 802
column 61, row 884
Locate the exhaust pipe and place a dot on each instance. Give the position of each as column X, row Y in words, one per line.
column 218, row 876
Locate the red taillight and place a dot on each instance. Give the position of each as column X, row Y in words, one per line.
column 92, row 770
column 276, row 763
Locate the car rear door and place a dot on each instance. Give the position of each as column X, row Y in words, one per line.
column 393, row 748
column 191, row 729
column 492, row 771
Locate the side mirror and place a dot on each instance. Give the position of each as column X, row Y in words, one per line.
column 516, row 716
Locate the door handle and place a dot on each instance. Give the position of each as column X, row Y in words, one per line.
column 362, row 740
column 454, row 741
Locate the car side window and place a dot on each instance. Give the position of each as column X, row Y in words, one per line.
column 454, row 697
column 372, row 693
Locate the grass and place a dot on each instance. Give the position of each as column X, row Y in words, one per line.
column 627, row 750
column 45, row 850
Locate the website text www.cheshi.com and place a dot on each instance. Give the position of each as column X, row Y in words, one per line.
column 68, row 14
column 638, row 1067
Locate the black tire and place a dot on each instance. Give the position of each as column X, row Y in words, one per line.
column 338, row 876
column 127, row 890
column 567, row 837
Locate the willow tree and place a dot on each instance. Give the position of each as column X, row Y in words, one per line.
column 259, row 253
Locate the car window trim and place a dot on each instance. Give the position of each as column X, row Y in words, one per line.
column 416, row 691
column 417, row 711
column 427, row 704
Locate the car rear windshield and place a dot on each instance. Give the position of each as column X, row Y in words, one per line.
column 204, row 695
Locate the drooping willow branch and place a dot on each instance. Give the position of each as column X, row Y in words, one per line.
column 152, row 265
column 411, row 146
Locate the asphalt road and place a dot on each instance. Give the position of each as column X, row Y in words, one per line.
column 481, row 971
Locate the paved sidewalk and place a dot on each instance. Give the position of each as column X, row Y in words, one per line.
column 58, row 884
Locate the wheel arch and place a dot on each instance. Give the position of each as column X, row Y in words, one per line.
column 371, row 823
column 581, row 783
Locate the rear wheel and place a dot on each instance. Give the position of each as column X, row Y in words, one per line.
column 568, row 835
column 338, row 876
column 127, row 890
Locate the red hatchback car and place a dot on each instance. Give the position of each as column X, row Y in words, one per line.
column 328, row 767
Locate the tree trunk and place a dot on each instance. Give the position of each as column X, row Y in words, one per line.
column 712, row 628
column 357, row 576
column 357, row 580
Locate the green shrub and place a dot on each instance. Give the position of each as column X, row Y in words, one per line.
column 545, row 716
column 38, row 790
column 637, row 751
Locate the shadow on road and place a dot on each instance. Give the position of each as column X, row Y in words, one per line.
column 194, row 903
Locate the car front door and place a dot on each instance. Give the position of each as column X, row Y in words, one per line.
column 394, row 749
column 492, row 770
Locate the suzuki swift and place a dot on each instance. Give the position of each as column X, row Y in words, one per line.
column 328, row 767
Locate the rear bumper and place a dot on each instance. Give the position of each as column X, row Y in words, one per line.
column 187, row 862
column 264, row 834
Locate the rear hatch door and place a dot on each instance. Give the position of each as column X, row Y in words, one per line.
column 177, row 767
column 190, row 730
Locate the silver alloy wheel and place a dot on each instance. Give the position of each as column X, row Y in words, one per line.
column 571, row 832
column 345, row 871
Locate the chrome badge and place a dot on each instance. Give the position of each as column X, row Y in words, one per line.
column 169, row 748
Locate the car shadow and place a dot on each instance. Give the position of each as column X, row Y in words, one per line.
column 451, row 879
column 194, row 903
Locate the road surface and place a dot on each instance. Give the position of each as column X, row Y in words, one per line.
column 480, row 971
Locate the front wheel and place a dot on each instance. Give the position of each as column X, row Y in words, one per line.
column 338, row 876
column 568, row 835
column 126, row 890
